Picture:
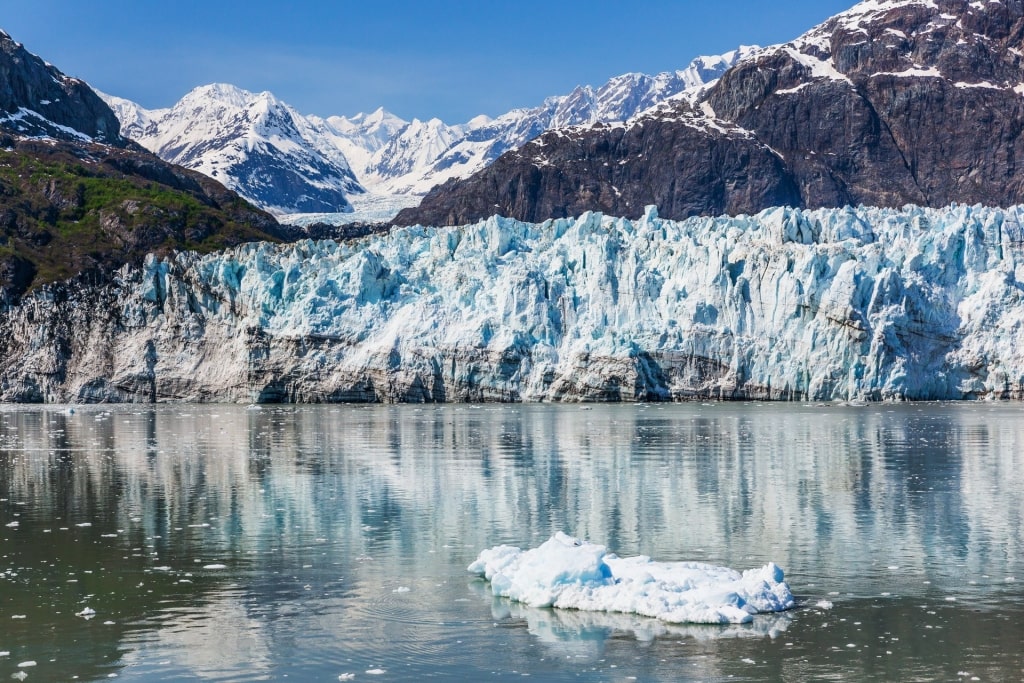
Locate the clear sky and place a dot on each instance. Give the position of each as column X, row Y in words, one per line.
column 416, row 58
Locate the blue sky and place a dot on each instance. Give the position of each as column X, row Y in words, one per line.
column 448, row 59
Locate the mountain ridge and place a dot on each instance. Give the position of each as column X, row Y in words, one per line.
column 904, row 87
column 376, row 152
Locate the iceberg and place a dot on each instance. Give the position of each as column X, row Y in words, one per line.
column 568, row 573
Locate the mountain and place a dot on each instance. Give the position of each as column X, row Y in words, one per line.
column 37, row 100
column 890, row 103
column 833, row 304
column 253, row 143
column 77, row 197
column 290, row 163
column 426, row 154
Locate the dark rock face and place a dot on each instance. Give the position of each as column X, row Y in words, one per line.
column 608, row 169
column 38, row 100
column 906, row 102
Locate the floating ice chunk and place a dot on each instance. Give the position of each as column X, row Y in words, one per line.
column 84, row 524
column 402, row 589
column 346, row 677
column 566, row 572
column 13, row 525
column 87, row 613
column 376, row 672
column 824, row 604
column 215, row 566
column 26, row 665
column 19, row 676
column 17, row 616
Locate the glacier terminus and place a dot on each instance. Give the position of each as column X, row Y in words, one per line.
column 824, row 305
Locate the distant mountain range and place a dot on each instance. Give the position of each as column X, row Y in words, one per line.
column 890, row 103
column 289, row 163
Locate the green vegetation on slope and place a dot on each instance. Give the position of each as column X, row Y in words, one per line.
column 66, row 209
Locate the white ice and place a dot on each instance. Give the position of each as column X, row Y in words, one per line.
column 565, row 572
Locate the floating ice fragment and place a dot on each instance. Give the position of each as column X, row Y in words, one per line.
column 13, row 525
column 402, row 589
column 376, row 672
column 19, row 676
column 17, row 616
column 83, row 524
column 215, row 566
column 26, row 665
column 87, row 613
column 824, row 604
column 748, row 660
column 566, row 572
column 346, row 677
column 108, row 623
column 5, row 653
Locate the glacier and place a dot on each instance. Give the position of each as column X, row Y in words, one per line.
column 833, row 304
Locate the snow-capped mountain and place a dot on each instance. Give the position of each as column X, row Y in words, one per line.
column 37, row 100
column 425, row 154
column 290, row 163
column 253, row 143
column 892, row 102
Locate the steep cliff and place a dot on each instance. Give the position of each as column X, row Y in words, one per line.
column 789, row 304
column 890, row 103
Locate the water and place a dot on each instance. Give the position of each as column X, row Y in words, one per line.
column 306, row 543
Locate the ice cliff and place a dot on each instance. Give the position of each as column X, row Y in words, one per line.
column 788, row 304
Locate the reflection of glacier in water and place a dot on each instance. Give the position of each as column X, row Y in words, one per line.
column 322, row 514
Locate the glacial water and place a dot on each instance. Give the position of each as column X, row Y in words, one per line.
column 324, row 543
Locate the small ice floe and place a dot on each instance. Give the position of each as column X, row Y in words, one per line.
column 215, row 566
column 824, row 604
column 376, row 672
column 402, row 589
column 346, row 677
column 13, row 525
column 566, row 572
column 84, row 524
column 87, row 613
column 26, row 665
column 19, row 676
column 17, row 616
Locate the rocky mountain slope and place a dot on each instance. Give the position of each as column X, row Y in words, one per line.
column 788, row 304
column 289, row 163
column 892, row 102
column 75, row 196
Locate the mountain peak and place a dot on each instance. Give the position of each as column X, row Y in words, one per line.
column 37, row 100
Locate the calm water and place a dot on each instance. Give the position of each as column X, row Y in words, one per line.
column 219, row 543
